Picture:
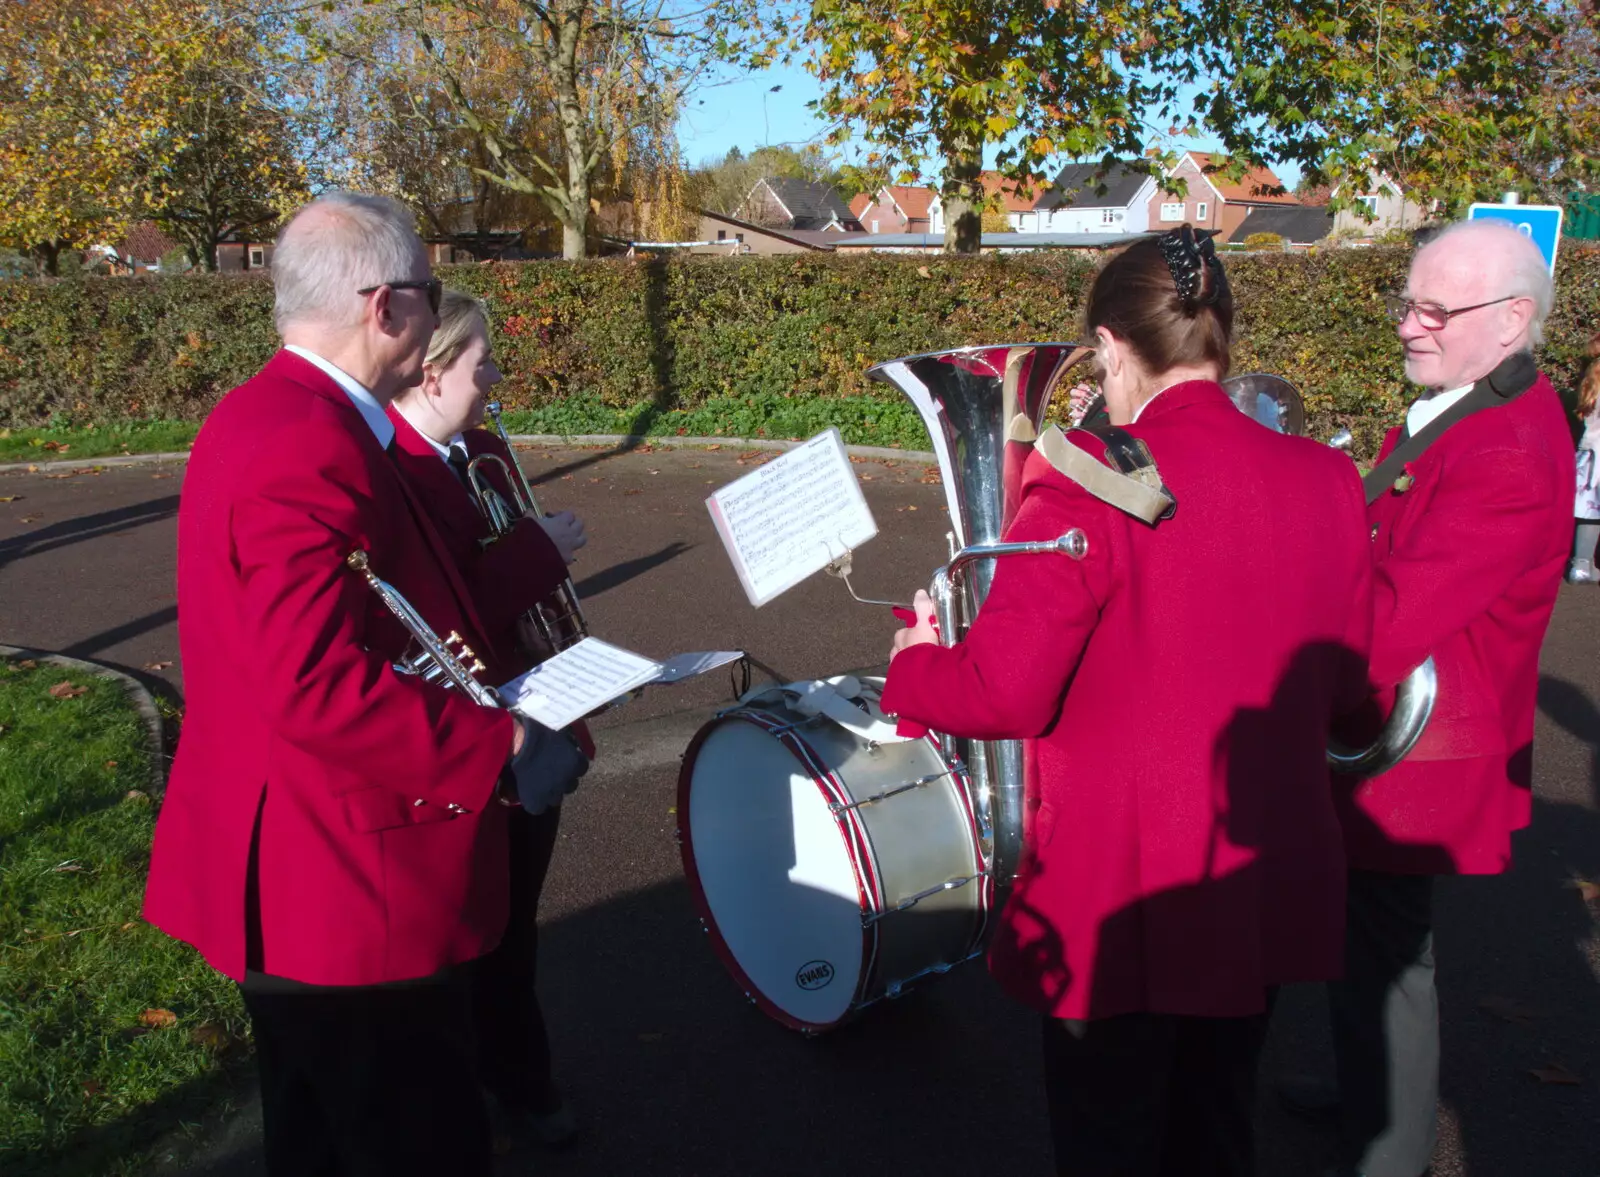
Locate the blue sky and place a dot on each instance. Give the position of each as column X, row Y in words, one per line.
column 746, row 113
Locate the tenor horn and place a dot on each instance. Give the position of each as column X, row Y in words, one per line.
column 971, row 399
column 559, row 617
column 1277, row 404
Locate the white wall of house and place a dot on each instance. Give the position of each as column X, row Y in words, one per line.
column 936, row 218
column 1131, row 218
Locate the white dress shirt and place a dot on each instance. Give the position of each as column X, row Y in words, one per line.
column 366, row 404
column 1425, row 408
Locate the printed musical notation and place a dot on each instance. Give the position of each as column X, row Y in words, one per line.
column 589, row 674
column 790, row 518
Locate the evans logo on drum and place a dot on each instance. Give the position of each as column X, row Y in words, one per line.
column 814, row 974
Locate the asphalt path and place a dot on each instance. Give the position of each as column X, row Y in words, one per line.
column 672, row 1071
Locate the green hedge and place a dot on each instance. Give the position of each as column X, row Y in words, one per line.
column 641, row 339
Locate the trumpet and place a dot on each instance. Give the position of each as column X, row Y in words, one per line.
column 447, row 661
column 559, row 617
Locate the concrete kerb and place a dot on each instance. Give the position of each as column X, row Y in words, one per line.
column 621, row 442
column 141, row 699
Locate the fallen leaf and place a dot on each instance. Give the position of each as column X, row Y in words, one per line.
column 713, row 447
column 1509, row 1009
column 212, row 1036
column 156, row 665
column 869, row 478
column 111, row 764
column 911, row 507
column 61, row 449
column 92, row 1088
column 30, row 519
column 65, row 690
column 70, row 867
column 9, row 498
column 633, row 492
column 1556, row 1075
column 158, row 1019
column 923, row 272
column 28, row 664
column 33, row 469
column 128, row 927
column 160, row 476
column 137, row 797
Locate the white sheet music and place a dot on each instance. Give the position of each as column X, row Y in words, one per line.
column 790, row 518
column 688, row 665
column 585, row 676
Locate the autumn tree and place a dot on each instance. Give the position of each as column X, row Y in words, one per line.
column 87, row 93
column 1429, row 90
column 227, row 159
column 568, row 100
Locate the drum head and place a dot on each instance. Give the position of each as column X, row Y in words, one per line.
column 773, row 876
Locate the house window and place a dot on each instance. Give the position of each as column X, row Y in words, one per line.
column 1108, row 216
column 1371, row 203
column 722, row 234
column 1172, row 210
column 258, row 255
column 874, row 224
column 739, row 237
column 1200, row 212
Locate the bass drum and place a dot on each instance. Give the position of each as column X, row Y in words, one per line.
column 833, row 862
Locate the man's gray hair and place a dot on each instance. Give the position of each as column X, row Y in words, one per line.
column 1527, row 273
column 340, row 243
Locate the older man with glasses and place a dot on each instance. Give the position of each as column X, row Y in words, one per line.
column 1468, row 508
column 334, row 832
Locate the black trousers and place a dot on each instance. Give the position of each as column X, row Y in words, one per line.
column 368, row 1081
column 513, row 1049
column 1153, row 1095
column 1385, row 1015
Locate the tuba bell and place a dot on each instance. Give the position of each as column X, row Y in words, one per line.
column 559, row 617
column 969, row 399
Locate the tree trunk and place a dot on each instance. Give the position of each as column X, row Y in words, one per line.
column 963, row 196
column 49, row 253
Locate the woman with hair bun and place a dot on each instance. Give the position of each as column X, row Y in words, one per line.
column 1175, row 688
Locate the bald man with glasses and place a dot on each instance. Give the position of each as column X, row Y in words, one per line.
column 1468, row 509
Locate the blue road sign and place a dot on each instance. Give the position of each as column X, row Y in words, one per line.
column 1541, row 222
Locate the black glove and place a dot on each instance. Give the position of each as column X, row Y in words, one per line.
column 548, row 767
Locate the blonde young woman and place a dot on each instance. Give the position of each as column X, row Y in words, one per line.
column 437, row 435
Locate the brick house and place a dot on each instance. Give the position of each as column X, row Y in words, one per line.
column 1212, row 201
column 782, row 202
column 898, row 208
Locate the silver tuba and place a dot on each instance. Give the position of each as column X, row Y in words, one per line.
column 559, row 617
column 1276, row 403
column 968, row 399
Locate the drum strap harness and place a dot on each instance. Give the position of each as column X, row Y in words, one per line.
column 1128, row 478
column 836, row 699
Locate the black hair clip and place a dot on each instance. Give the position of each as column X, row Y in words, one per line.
column 1188, row 257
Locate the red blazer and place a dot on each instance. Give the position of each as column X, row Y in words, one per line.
column 382, row 851
column 1469, row 560
column 1176, row 689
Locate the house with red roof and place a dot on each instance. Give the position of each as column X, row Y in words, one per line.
column 1213, row 201
column 897, row 208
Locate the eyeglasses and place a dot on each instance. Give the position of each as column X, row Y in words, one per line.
column 433, row 286
column 1431, row 315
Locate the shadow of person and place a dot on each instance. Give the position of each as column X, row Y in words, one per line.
column 1177, row 982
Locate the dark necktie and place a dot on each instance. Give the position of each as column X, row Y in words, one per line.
column 458, row 463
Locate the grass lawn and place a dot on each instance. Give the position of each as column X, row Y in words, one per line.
column 110, row 1033
column 96, row 441
column 863, row 420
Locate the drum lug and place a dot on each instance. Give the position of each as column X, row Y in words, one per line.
column 839, row 807
column 907, row 904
